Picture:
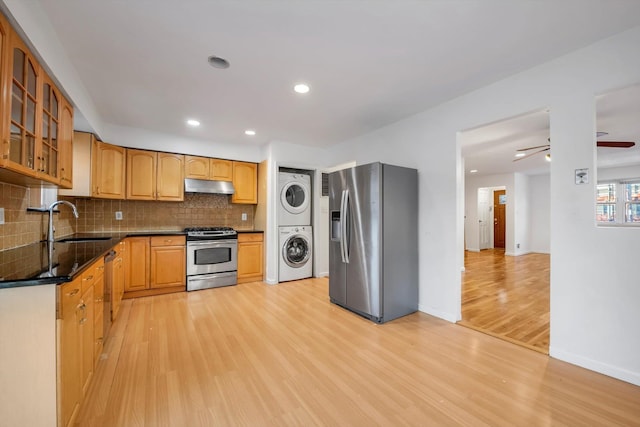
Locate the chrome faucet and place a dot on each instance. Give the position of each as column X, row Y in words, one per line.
column 50, row 209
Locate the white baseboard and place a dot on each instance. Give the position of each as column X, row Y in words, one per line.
column 449, row 317
column 593, row 365
column 322, row 274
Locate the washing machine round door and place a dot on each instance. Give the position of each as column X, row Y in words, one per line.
column 296, row 251
column 295, row 197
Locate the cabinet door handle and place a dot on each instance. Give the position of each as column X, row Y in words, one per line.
column 74, row 292
column 5, row 150
column 99, row 299
column 88, row 278
column 83, row 320
column 82, row 306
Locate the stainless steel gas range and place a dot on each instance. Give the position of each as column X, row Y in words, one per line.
column 212, row 257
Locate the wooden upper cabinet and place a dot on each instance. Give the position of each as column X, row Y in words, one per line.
column 245, row 182
column 155, row 176
column 196, row 167
column 221, row 170
column 208, row 168
column 22, row 86
column 170, row 177
column 34, row 116
column 141, row 174
column 48, row 153
column 65, row 142
column 5, row 82
column 107, row 171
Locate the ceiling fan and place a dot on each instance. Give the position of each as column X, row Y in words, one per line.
column 525, row 153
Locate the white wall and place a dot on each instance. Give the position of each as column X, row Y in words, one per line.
column 28, row 356
column 627, row 172
column 589, row 305
column 540, row 214
column 521, row 216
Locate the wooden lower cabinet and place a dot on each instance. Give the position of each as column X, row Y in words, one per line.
column 250, row 257
column 80, row 336
column 168, row 262
column 118, row 276
column 98, row 320
column 136, row 264
column 86, row 324
column 155, row 265
column 69, row 351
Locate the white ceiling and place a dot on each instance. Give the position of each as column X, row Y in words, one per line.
column 369, row 63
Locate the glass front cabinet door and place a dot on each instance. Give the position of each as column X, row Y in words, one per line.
column 20, row 146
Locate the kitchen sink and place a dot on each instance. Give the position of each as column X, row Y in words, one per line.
column 82, row 239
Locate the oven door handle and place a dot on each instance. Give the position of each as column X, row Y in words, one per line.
column 211, row 243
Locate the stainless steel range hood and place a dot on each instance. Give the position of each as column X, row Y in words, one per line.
column 205, row 186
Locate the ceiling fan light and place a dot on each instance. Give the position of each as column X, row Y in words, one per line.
column 521, row 154
column 547, row 157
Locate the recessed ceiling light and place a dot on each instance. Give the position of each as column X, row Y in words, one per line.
column 217, row 62
column 301, row 88
column 547, row 157
column 192, row 122
column 521, row 154
column 473, row 171
column 250, row 132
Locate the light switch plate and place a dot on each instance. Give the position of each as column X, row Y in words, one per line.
column 244, row 216
column 1, row 215
column 118, row 216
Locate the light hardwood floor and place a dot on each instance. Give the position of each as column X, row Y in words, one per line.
column 507, row 296
column 260, row 355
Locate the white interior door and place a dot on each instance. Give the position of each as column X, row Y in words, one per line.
column 484, row 218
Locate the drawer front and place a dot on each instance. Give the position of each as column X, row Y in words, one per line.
column 94, row 272
column 98, row 267
column 168, row 240
column 249, row 237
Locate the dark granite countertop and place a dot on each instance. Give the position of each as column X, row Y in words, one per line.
column 249, row 231
column 43, row 264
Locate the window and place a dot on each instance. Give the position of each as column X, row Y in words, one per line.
column 615, row 197
column 606, row 202
column 632, row 202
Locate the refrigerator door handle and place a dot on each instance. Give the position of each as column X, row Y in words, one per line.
column 345, row 227
column 342, row 226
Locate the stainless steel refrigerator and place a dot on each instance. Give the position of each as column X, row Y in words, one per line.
column 373, row 248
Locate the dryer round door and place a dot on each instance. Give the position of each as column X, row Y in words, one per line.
column 296, row 251
column 294, row 197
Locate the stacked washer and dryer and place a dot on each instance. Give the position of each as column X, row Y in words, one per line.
column 294, row 223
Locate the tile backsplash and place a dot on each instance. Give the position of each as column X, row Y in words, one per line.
column 98, row 215
column 20, row 227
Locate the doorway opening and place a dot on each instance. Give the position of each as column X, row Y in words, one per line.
column 506, row 276
column 492, row 217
